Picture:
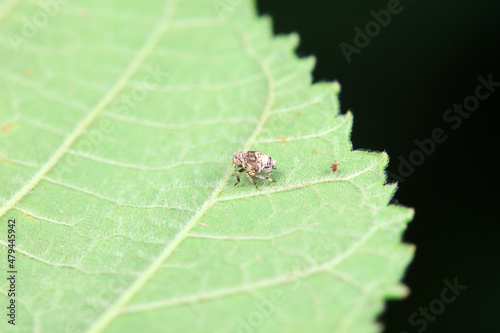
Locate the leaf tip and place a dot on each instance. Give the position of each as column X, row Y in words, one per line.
column 336, row 87
column 294, row 39
column 398, row 291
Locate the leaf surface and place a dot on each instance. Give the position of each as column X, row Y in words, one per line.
column 118, row 122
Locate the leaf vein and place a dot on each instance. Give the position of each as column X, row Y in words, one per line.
column 199, row 87
column 295, row 186
column 156, row 124
column 27, row 212
column 32, row 256
column 250, row 287
column 253, row 237
column 305, row 137
column 116, row 308
column 92, row 115
column 303, row 105
column 138, row 166
column 116, row 202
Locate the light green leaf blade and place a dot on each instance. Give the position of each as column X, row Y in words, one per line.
column 118, row 121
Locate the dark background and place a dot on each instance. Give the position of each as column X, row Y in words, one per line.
column 398, row 87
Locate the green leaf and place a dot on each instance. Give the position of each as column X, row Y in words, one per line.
column 118, row 122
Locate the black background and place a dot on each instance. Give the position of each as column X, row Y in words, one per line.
column 398, row 87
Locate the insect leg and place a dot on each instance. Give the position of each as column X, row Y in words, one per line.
column 238, row 176
column 262, row 177
column 251, row 179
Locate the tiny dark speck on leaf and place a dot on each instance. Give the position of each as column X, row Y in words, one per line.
column 335, row 166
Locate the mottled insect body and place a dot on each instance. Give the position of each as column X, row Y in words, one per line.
column 253, row 162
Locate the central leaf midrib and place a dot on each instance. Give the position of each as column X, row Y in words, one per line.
column 115, row 309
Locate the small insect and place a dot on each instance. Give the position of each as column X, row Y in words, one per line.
column 253, row 162
column 335, row 166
